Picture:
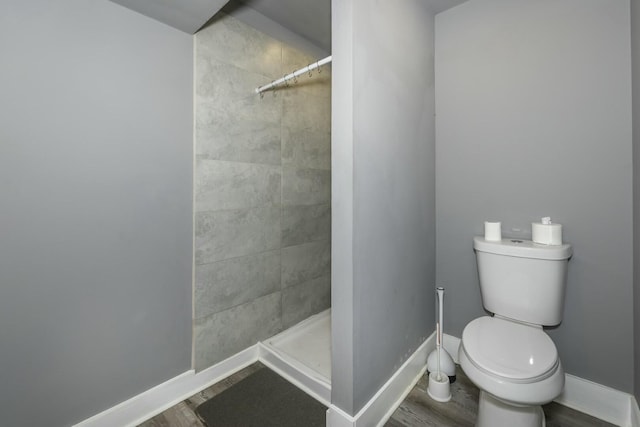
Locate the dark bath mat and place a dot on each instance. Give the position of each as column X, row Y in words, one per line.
column 263, row 399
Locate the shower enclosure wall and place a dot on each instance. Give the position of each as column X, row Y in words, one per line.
column 262, row 191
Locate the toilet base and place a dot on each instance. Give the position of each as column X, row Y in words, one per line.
column 495, row 413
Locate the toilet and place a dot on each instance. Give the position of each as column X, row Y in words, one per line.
column 507, row 355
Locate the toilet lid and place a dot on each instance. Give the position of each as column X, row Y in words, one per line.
column 508, row 349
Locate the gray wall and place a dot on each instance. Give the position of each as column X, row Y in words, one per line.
column 263, row 182
column 533, row 119
column 635, row 56
column 96, row 222
column 383, row 192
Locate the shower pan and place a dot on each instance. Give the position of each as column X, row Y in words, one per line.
column 303, row 354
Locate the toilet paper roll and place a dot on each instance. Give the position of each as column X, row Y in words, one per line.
column 492, row 231
column 546, row 234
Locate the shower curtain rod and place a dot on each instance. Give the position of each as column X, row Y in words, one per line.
column 295, row 74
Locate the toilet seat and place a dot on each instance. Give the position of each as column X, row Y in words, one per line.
column 509, row 378
column 512, row 351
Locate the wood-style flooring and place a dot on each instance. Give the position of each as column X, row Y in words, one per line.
column 417, row 410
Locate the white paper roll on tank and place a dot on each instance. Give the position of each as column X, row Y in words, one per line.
column 493, row 231
column 546, row 233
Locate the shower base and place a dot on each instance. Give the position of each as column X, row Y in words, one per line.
column 302, row 354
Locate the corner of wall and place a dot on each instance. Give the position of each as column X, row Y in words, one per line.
column 635, row 82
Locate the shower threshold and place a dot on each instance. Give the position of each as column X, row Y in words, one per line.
column 302, row 354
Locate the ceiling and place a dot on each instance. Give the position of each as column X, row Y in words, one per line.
column 186, row 15
column 309, row 19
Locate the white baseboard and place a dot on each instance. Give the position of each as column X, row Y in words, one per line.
column 597, row 400
column 161, row 397
column 336, row 417
column 382, row 405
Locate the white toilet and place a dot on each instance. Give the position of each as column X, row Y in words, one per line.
column 508, row 355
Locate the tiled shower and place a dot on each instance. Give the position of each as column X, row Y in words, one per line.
column 262, row 191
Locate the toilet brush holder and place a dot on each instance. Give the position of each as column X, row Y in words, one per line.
column 439, row 389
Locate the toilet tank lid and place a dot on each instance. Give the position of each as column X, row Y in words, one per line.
column 522, row 248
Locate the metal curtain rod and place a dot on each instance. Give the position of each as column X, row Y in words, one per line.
column 295, row 74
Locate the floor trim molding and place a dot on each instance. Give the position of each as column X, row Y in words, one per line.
column 597, row 400
column 382, row 405
column 163, row 396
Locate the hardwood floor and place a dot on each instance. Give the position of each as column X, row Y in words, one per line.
column 417, row 410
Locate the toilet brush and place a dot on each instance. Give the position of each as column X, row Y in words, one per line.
column 438, row 348
column 445, row 362
column 439, row 386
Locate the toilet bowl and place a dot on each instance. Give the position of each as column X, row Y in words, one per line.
column 516, row 367
column 508, row 356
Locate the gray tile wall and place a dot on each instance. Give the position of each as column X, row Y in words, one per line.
column 262, row 191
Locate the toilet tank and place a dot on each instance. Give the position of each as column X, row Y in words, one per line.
column 523, row 280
